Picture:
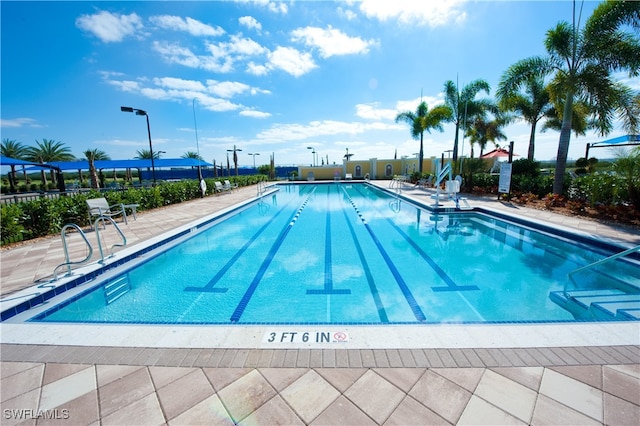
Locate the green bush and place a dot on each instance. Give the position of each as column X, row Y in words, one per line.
column 11, row 217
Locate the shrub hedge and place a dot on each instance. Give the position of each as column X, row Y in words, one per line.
column 46, row 216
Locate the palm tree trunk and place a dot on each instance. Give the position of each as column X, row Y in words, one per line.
column 421, row 155
column 12, row 179
column 563, row 145
column 94, row 175
column 532, row 142
column 455, row 144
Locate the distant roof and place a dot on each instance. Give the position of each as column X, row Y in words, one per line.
column 621, row 140
column 128, row 164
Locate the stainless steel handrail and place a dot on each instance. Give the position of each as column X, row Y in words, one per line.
column 597, row 263
column 95, row 226
column 68, row 262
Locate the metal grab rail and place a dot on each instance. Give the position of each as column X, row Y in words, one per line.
column 597, row 263
column 95, row 226
column 68, row 262
column 261, row 187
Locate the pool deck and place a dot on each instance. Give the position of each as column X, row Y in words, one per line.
column 521, row 374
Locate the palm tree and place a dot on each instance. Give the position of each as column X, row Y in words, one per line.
column 423, row 120
column 12, row 149
column 92, row 155
column 464, row 106
column 529, row 98
column 581, row 63
column 627, row 166
column 145, row 154
column 481, row 130
column 46, row 151
column 192, row 154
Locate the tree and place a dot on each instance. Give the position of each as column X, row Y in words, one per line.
column 464, row 106
column 423, row 120
column 12, row 149
column 529, row 98
column 581, row 63
column 47, row 151
column 192, row 154
column 145, row 154
column 627, row 166
column 482, row 130
column 92, row 155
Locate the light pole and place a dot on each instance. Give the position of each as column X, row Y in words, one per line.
column 254, row 159
column 143, row 112
column 313, row 154
column 195, row 126
column 235, row 157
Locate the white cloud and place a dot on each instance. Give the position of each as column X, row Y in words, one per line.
column 110, row 27
column 315, row 129
column 255, row 114
column 226, row 89
column 250, row 22
column 431, row 13
column 174, row 53
column 257, row 69
column 372, row 112
column 190, row 25
column 179, row 84
column 273, row 6
column 19, row 122
column 331, row 41
column 291, row 61
column 348, row 14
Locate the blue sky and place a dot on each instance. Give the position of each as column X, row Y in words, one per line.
column 267, row 76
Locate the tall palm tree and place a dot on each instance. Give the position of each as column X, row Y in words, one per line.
column 464, row 105
column 13, row 149
column 581, row 62
column 48, row 150
column 423, row 120
column 92, row 155
column 529, row 98
column 192, row 154
column 145, row 154
column 482, row 130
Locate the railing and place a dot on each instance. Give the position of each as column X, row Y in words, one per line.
column 440, row 175
column 117, row 228
column 261, row 187
column 68, row 262
column 611, row 258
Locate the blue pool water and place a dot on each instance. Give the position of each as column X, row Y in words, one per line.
column 344, row 254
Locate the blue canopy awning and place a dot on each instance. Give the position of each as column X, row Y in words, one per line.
column 8, row 161
column 620, row 140
column 126, row 164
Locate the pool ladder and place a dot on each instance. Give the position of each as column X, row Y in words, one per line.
column 68, row 263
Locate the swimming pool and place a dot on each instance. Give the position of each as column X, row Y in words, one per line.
column 345, row 254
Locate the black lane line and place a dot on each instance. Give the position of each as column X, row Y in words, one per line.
column 210, row 286
column 404, row 288
column 382, row 313
column 451, row 285
column 237, row 313
column 328, row 266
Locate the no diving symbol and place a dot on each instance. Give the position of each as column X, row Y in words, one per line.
column 340, row 336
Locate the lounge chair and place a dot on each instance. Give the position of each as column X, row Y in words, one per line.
column 218, row 187
column 348, row 176
column 100, row 207
column 230, row 186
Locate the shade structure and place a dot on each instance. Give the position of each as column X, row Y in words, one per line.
column 126, row 164
column 497, row 153
column 8, row 161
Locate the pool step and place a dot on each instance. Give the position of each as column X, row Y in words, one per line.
column 116, row 289
column 611, row 304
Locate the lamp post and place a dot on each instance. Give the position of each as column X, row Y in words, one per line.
column 143, row 112
column 254, row 159
column 235, row 157
column 313, row 154
column 195, row 126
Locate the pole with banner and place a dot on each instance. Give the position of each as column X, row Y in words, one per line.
column 504, row 184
